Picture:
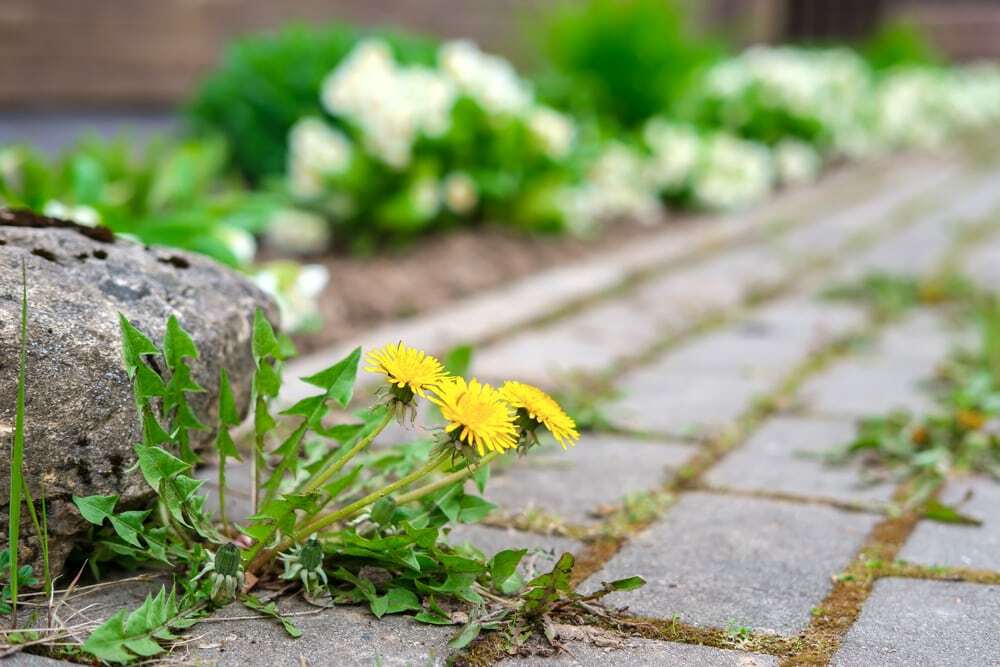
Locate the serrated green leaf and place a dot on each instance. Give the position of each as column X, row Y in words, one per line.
column 225, row 447
column 466, row 636
column 135, row 345
column 627, row 584
column 266, row 380
column 148, row 383
column 177, row 344
column 158, row 464
column 107, row 641
column 95, row 509
column 265, row 344
column 504, row 564
column 338, row 379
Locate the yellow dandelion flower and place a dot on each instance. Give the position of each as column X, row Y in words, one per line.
column 409, row 371
column 542, row 409
column 475, row 414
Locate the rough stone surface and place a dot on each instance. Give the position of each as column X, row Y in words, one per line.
column 708, row 382
column 908, row 622
column 646, row 653
column 81, row 422
column 348, row 636
column 977, row 547
column 595, row 475
column 715, row 560
column 783, row 456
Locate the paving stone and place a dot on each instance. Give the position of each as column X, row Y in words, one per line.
column 830, row 232
column 885, row 376
column 977, row 547
column 720, row 559
column 598, row 472
column 588, row 341
column 867, row 387
column 782, row 456
column 646, row 653
column 664, row 399
column 908, row 622
column 347, row 636
column 708, row 382
column 543, row 550
column 921, row 246
column 593, row 339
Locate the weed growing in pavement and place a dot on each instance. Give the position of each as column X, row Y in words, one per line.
column 889, row 296
column 342, row 521
column 962, row 434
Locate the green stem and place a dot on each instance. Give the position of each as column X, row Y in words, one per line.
column 321, row 478
column 346, row 512
column 445, row 481
column 334, row 467
column 319, row 523
column 222, row 493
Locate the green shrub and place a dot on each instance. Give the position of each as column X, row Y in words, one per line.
column 266, row 82
column 900, row 43
column 623, row 61
column 169, row 193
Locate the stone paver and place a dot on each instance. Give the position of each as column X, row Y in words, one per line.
column 708, row 382
column 596, row 474
column 977, row 547
column 920, row 247
column 646, row 653
column 595, row 338
column 909, row 622
column 783, row 456
column 347, row 636
column 885, row 376
column 715, row 560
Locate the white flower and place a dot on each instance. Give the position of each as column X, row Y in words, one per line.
column 295, row 288
column 733, row 173
column 676, row 150
column 460, row 193
column 796, row 162
column 292, row 230
column 239, row 241
column 390, row 104
column 315, row 151
column 490, row 80
column 616, row 187
column 554, row 130
column 81, row 215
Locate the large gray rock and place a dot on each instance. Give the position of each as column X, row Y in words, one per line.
column 81, row 421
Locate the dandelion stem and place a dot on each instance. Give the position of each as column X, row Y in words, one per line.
column 335, row 466
column 346, row 512
column 447, row 480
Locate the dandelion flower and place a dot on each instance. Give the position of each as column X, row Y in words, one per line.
column 541, row 409
column 476, row 415
column 410, row 371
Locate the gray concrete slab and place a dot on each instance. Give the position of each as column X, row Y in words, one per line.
column 908, row 622
column 955, row 545
column 646, row 653
column 716, row 560
column 599, row 472
column 783, row 456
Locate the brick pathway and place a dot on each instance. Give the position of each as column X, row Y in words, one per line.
column 729, row 367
